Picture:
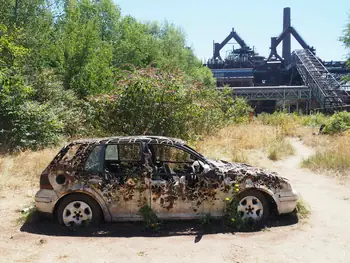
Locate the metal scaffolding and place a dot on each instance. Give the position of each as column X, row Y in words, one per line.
column 318, row 79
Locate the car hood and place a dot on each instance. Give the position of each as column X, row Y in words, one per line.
column 238, row 171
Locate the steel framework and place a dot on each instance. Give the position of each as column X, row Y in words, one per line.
column 272, row 92
column 321, row 82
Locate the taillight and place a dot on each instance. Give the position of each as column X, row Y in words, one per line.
column 44, row 181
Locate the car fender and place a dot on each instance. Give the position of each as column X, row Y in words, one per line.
column 265, row 190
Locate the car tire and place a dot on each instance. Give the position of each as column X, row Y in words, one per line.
column 253, row 205
column 78, row 210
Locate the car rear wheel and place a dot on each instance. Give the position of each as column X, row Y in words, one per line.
column 78, row 210
column 253, row 206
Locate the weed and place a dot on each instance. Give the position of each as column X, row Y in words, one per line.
column 302, row 209
column 28, row 215
column 149, row 217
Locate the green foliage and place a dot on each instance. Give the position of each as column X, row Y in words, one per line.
column 339, row 122
column 149, row 217
column 56, row 54
column 153, row 101
column 346, row 38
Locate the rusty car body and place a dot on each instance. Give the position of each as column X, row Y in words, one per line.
column 111, row 178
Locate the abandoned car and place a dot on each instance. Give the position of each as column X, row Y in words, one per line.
column 112, row 178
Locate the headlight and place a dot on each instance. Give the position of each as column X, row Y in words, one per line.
column 285, row 186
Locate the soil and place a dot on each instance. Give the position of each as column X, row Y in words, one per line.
column 323, row 237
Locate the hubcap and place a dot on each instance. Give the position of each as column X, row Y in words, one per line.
column 250, row 207
column 77, row 213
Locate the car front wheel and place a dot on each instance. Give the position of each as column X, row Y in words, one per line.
column 78, row 210
column 253, row 206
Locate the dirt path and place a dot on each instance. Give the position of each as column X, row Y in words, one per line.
column 324, row 238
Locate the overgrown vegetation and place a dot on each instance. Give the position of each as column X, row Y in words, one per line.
column 78, row 68
column 150, row 218
column 338, row 123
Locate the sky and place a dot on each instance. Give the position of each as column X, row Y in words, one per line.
column 319, row 22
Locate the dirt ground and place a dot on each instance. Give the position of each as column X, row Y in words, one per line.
column 324, row 237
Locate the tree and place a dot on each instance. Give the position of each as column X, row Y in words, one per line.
column 346, row 40
column 87, row 33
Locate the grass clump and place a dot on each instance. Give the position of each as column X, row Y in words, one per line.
column 302, row 209
column 280, row 149
column 28, row 215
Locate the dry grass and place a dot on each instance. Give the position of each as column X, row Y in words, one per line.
column 23, row 169
column 332, row 154
column 303, row 210
column 234, row 143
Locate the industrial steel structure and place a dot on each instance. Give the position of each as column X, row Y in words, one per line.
column 298, row 80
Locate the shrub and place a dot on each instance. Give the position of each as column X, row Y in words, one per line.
column 339, row 122
column 153, row 101
column 29, row 125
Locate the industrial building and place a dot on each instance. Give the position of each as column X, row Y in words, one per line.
column 297, row 81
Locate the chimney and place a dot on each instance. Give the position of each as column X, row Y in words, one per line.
column 286, row 45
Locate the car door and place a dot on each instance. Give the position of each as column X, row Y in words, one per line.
column 174, row 184
column 127, row 188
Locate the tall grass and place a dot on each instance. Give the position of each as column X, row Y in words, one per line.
column 23, row 169
column 332, row 155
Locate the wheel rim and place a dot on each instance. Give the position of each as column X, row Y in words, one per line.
column 77, row 213
column 250, row 207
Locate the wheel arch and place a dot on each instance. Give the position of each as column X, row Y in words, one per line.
column 104, row 210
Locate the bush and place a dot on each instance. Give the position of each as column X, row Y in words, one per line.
column 153, row 101
column 29, row 125
column 338, row 123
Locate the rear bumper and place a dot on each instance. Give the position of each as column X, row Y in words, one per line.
column 286, row 201
column 45, row 200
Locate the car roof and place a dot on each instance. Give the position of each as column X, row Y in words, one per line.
column 132, row 139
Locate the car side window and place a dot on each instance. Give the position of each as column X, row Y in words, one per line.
column 94, row 162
